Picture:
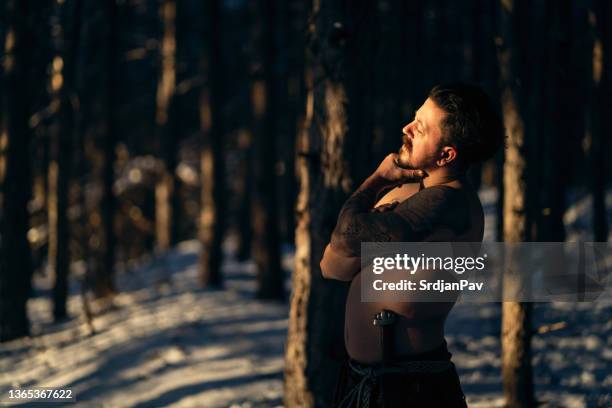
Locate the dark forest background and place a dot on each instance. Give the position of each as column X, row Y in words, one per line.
column 131, row 125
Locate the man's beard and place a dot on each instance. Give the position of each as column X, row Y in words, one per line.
column 403, row 157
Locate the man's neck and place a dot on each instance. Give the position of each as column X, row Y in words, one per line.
column 441, row 175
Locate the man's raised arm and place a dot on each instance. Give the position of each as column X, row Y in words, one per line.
column 356, row 223
column 339, row 267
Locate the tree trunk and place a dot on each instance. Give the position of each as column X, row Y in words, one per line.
column 484, row 71
column 291, row 19
column 102, row 246
column 266, row 243
column 331, row 153
column 61, row 158
column 244, row 193
column 165, row 230
column 516, row 355
column 393, row 104
column 516, row 324
column 557, row 127
column 15, row 261
column 295, row 45
column 598, row 108
column 105, row 282
column 212, row 214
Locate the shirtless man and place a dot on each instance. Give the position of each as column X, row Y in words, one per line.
column 427, row 199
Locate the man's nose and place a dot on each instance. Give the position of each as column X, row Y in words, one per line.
column 407, row 129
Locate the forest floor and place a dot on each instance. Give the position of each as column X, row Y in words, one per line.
column 165, row 342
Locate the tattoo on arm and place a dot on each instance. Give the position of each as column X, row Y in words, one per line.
column 357, row 224
column 411, row 220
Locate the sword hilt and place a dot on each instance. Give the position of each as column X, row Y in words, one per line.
column 384, row 320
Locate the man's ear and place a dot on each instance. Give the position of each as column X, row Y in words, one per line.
column 447, row 155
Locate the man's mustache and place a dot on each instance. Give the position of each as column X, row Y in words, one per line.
column 406, row 141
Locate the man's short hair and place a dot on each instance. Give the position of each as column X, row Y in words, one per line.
column 472, row 123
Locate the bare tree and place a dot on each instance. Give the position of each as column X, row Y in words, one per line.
column 244, row 194
column 598, row 107
column 165, row 194
column 266, row 242
column 560, row 116
column 212, row 213
column 292, row 20
column 516, row 317
column 15, row 178
column 106, row 281
column 332, row 150
column 63, row 83
column 102, row 134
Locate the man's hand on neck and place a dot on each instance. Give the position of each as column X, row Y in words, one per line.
column 389, row 174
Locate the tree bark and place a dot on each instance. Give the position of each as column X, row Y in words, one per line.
column 102, row 246
column 105, row 284
column 266, row 242
column 59, row 173
column 516, row 324
column 292, row 18
column 557, row 128
column 332, row 149
column 598, row 108
column 212, row 214
column 15, row 179
column 394, row 104
column 165, row 190
column 244, row 194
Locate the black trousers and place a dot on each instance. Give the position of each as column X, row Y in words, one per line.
column 406, row 390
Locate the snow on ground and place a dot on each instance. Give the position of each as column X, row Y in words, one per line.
column 571, row 364
column 165, row 342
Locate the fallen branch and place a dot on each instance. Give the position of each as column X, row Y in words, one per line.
column 547, row 328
